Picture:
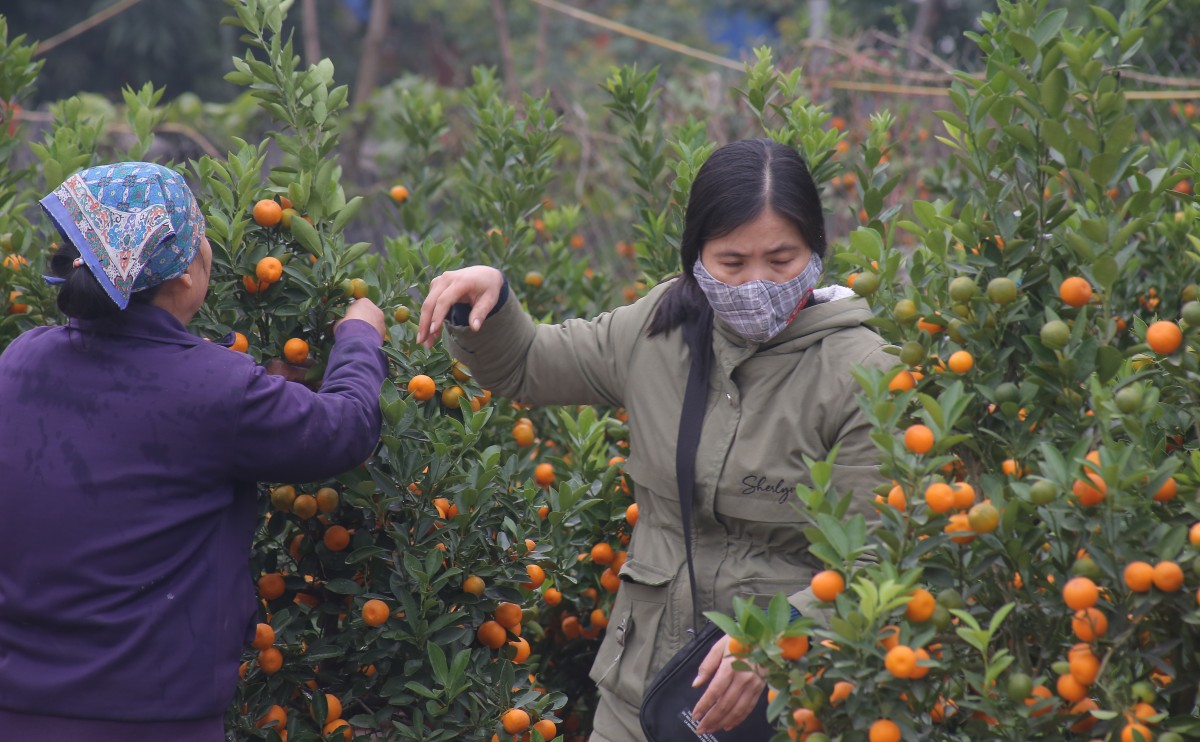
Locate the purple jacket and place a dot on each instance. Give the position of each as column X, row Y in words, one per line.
column 129, row 450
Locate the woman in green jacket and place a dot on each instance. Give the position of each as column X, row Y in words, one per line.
column 780, row 389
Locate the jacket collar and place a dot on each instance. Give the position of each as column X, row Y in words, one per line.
column 142, row 321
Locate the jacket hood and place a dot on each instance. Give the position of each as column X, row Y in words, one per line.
column 840, row 309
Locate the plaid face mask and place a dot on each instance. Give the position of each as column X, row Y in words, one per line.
column 759, row 310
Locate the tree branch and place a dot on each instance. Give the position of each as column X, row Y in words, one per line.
column 506, row 58
column 368, row 68
column 365, row 84
column 83, row 26
column 312, row 32
column 543, row 33
column 921, row 37
column 818, row 30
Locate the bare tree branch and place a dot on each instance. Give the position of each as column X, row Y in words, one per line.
column 312, row 32
column 932, row 58
column 506, row 58
column 818, row 30
column 585, row 150
column 861, row 60
column 1179, row 82
column 368, row 68
column 921, row 37
column 83, row 26
column 365, row 84
column 543, row 33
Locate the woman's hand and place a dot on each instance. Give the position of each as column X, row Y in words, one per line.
column 730, row 697
column 478, row 285
column 365, row 310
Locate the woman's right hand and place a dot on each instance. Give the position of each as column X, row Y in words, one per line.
column 365, row 310
column 478, row 285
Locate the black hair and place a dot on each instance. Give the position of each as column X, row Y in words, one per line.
column 732, row 188
column 82, row 296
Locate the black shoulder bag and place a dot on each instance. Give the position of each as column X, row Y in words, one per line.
column 666, row 713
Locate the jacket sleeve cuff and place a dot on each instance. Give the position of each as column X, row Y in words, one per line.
column 356, row 328
column 805, row 604
column 460, row 314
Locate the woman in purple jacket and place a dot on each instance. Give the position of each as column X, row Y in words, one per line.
column 129, row 452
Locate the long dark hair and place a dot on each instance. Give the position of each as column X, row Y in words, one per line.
column 732, row 188
column 82, row 296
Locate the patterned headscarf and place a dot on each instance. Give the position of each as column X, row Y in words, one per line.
column 135, row 224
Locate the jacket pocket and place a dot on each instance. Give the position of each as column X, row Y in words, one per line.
column 762, row 589
column 623, row 660
column 655, row 490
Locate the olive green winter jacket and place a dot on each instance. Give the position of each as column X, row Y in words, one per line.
column 769, row 405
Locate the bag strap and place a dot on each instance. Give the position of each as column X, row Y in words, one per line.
column 697, row 332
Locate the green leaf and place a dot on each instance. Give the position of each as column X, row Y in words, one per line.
column 1049, row 26
column 353, row 253
column 437, row 662
column 1108, row 362
column 779, row 613
column 1170, row 544
column 1000, row 662
column 833, row 530
column 844, row 629
column 1079, row 129
column 966, row 618
column 238, row 77
column 925, row 212
column 999, row 616
column 307, row 236
column 933, row 409
column 316, row 653
column 1121, row 133
column 826, row 554
column 1054, row 132
column 459, row 666
column 1054, row 93
column 348, row 212
column 1079, row 245
column 364, row 553
column 821, row 473
column 723, row 622
column 974, row 637
column 1024, row 45
column 1106, row 271
column 1018, row 78
column 868, row 596
column 343, row 586
column 867, row 242
column 420, row 689
column 1023, row 136
column 1095, row 230
column 1107, row 18
column 1103, row 167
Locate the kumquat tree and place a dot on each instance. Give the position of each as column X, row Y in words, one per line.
column 1031, row 570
